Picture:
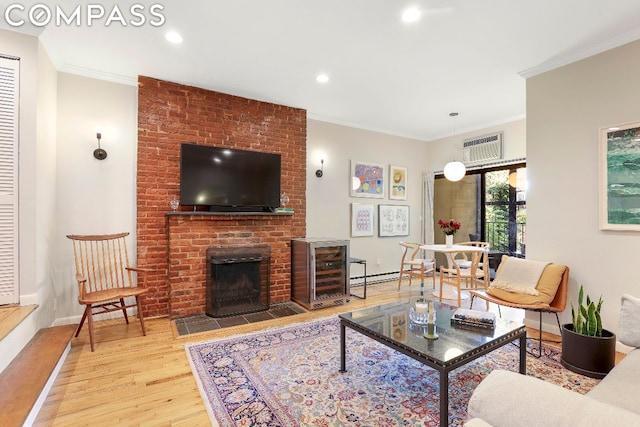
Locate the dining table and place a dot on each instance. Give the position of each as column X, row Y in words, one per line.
column 451, row 252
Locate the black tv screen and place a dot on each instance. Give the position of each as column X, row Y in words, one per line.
column 228, row 179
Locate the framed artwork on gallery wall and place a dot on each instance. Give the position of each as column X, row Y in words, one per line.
column 620, row 177
column 367, row 180
column 361, row 220
column 397, row 183
column 393, row 220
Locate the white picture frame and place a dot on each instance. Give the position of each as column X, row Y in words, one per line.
column 362, row 220
column 398, row 176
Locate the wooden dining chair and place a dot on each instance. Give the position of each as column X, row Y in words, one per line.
column 105, row 278
column 462, row 258
column 413, row 266
column 467, row 273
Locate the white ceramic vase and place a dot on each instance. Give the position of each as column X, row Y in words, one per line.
column 448, row 240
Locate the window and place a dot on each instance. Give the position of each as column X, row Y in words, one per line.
column 9, row 75
column 505, row 210
column 491, row 205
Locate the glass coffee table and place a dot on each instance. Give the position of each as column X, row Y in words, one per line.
column 455, row 346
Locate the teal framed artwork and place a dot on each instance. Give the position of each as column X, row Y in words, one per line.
column 620, row 177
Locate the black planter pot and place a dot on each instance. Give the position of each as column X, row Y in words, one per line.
column 590, row 356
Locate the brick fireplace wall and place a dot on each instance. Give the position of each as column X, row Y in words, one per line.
column 174, row 246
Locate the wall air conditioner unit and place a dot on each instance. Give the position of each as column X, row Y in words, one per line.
column 482, row 149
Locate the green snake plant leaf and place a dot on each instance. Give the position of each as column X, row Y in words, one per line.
column 598, row 324
column 580, row 295
column 591, row 320
column 578, row 320
column 583, row 311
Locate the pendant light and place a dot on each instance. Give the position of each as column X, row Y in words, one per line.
column 454, row 171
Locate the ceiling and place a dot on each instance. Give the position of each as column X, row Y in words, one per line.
column 467, row 56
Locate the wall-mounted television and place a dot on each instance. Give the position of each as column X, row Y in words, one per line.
column 229, row 180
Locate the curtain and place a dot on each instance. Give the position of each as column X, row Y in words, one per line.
column 427, row 210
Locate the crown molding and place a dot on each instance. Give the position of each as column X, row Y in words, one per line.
column 577, row 55
column 347, row 123
column 26, row 28
column 100, row 75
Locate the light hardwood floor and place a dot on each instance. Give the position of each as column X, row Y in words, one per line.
column 135, row 380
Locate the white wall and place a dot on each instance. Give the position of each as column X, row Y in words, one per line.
column 565, row 109
column 45, row 163
column 93, row 196
column 329, row 200
column 36, row 158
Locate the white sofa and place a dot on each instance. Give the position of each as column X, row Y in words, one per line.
column 506, row 398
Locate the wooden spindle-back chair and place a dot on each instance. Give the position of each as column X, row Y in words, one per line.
column 105, row 277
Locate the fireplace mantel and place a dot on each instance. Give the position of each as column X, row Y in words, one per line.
column 227, row 214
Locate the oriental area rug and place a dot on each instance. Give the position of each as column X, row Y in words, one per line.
column 290, row 376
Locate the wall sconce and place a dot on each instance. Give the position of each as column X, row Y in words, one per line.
column 99, row 153
column 320, row 171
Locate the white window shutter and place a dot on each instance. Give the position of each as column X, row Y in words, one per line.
column 9, row 94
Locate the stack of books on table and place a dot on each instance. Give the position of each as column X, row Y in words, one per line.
column 473, row 318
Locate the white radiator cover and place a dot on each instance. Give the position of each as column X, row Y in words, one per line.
column 482, row 149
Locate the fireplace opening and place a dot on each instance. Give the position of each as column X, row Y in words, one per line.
column 237, row 280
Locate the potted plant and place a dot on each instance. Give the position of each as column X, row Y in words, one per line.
column 587, row 348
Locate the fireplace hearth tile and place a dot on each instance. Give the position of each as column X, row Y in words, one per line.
column 286, row 310
column 202, row 322
column 227, row 322
column 258, row 317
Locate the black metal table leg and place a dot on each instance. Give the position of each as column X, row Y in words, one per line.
column 444, row 398
column 523, row 354
column 342, row 348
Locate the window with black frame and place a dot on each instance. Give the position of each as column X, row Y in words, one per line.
column 491, row 205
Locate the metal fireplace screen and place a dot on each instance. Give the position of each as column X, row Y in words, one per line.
column 237, row 280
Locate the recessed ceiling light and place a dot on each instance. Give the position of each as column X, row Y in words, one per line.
column 322, row 78
column 173, row 37
column 411, row 15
